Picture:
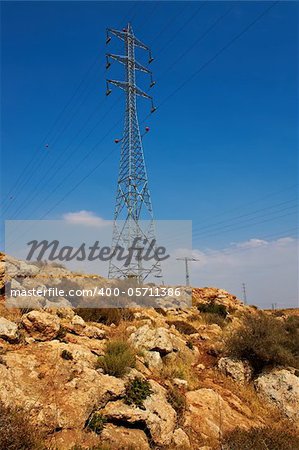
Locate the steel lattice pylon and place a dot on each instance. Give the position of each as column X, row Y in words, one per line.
column 133, row 203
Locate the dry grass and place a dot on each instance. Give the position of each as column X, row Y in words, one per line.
column 266, row 438
column 180, row 367
column 265, row 341
column 16, row 431
column 119, row 357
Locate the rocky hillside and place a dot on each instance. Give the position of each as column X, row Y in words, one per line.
column 217, row 375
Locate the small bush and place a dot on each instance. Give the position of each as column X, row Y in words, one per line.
column 106, row 316
column 61, row 334
column 190, row 345
column 137, row 390
column 119, row 356
column 264, row 341
column 16, row 431
column 161, row 311
column 177, row 400
column 212, row 318
column 183, row 327
column 213, row 308
column 96, row 423
column 65, row 354
column 267, row 438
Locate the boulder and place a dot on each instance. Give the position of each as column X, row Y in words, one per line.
column 8, row 330
column 180, row 440
column 41, row 325
column 239, row 371
column 158, row 417
column 153, row 339
column 94, row 332
column 153, row 360
column 281, row 387
column 210, row 414
column 180, row 383
column 118, row 437
column 60, row 394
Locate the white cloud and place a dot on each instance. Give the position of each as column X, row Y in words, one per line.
column 269, row 269
column 86, row 218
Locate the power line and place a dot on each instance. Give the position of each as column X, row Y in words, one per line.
column 202, row 67
column 33, row 162
column 213, row 58
column 35, row 193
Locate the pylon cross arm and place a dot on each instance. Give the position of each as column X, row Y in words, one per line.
column 125, row 86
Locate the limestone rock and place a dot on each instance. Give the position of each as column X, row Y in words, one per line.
column 41, row 325
column 94, row 332
column 8, row 330
column 180, row 382
column 118, row 437
column 239, row 371
column 281, row 387
column 77, row 324
column 154, row 339
column 158, row 416
column 209, row 414
column 58, row 393
column 153, row 360
column 180, row 440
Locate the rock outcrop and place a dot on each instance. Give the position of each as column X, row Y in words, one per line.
column 281, row 387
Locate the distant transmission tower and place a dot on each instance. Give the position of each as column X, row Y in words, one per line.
column 133, row 202
column 186, row 259
column 244, row 293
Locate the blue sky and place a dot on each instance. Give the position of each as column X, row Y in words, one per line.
column 222, row 150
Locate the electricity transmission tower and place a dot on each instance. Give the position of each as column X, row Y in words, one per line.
column 186, row 259
column 133, row 216
column 244, row 293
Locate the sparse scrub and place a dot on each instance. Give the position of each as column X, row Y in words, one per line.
column 106, row 316
column 190, row 344
column 212, row 318
column 180, row 367
column 183, row 327
column 213, row 308
column 65, row 354
column 260, row 439
column 16, row 431
column 264, row 341
column 119, row 357
column 177, row 400
column 137, row 390
column 96, row 423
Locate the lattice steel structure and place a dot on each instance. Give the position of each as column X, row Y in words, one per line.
column 133, row 202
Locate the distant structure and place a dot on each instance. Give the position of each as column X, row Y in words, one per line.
column 186, row 259
column 133, row 201
column 244, row 293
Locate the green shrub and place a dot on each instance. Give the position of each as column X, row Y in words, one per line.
column 264, row 341
column 183, row 327
column 268, row 438
column 16, row 431
column 213, row 308
column 96, row 423
column 119, row 356
column 190, row 345
column 137, row 390
column 106, row 316
column 65, row 354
